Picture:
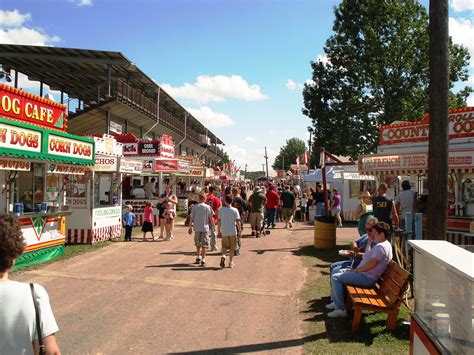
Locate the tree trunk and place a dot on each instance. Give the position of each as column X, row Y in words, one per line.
column 438, row 141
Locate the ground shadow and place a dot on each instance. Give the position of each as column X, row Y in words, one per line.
column 179, row 253
column 328, row 255
column 197, row 268
column 280, row 250
column 170, row 265
column 276, row 345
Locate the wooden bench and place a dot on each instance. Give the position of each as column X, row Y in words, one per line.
column 385, row 297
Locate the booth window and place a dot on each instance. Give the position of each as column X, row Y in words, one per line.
column 28, row 187
column 356, row 187
column 106, row 186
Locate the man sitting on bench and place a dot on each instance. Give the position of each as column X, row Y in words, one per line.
column 374, row 262
column 358, row 248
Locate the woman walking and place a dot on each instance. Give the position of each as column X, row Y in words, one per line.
column 336, row 206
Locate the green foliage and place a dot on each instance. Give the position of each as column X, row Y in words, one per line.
column 252, row 175
column 377, row 73
column 288, row 154
column 224, row 160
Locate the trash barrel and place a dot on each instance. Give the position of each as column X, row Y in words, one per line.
column 325, row 232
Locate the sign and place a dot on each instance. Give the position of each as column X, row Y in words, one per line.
column 166, row 146
column 66, row 147
column 20, row 138
column 148, row 166
column 107, row 145
column 128, row 166
column 460, row 125
column 130, row 149
column 76, row 202
column 28, row 108
column 115, row 127
column 357, row 176
column 149, row 148
column 460, row 159
column 107, row 216
column 183, row 165
column 69, row 169
column 166, row 165
column 197, row 172
column 402, row 162
column 13, row 164
column 105, row 164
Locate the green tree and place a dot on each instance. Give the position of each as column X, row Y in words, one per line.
column 294, row 147
column 224, row 160
column 377, row 73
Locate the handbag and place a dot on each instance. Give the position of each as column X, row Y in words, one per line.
column 38, row 320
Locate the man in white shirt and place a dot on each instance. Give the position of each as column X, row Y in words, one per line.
column 201, row 219
column 229, row 229
column 150, row 189
column 406, row 201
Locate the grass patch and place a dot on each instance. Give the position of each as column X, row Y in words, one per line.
column 334, row 336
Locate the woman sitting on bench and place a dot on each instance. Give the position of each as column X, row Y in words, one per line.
column 374, row 262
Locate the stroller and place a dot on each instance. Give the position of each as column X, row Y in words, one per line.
column 266, row 226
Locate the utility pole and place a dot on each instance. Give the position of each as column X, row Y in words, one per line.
column 283, row 165
column 266, row 161
column 438, row 110
column 263, row 168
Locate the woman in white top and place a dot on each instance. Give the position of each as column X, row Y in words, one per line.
column 18, row 332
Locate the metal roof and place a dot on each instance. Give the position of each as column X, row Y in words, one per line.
column 78, row 72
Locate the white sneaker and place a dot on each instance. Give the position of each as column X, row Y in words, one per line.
column 331, row 305
column 337, row 313
column 286, row 225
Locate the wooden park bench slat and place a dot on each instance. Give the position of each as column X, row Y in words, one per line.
column 385, row 297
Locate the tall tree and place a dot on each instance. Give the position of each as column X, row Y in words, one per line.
column 294, row 147
column 377, row 73
column 224, row 160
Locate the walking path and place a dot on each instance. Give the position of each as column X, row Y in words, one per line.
column 148, row 297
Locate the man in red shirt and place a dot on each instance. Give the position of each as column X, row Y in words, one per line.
column 215, row 204
column 271, row 206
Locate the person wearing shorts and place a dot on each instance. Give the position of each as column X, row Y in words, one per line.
column 288, row 202
column 229, row 229
column 201, row 220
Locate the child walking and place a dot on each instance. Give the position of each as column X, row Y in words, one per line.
column 169, row 215
column 147, row 223
column 303, row 207
column 129, row 219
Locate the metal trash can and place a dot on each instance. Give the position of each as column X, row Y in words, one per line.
column 325, row 232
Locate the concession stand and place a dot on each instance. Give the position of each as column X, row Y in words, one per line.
column 96, row 196
column 159, row 162
column 403, row 154
column 36, row 156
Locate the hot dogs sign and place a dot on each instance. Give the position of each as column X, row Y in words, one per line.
column 29, row 108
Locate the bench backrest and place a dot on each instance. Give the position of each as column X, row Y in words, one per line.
column 393, row 283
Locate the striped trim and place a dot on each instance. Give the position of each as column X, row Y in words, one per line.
column 45, row 244
column 92, row 236
column 460, row 238
column 349, row 216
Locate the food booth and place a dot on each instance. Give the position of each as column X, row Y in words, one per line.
column 403, row 154
column 36, row 156
column 96, row 196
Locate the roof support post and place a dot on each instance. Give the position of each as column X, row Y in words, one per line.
column 158, row 105
column 107, row 121
column 62, row 97
column 142, row 133
column 41, row 89
column 109, row 80
column 16, row 79
column 126, row 126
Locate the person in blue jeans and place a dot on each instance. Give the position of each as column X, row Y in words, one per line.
column 374, row 262
column 358, row 247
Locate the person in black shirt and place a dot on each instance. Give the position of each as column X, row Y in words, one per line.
column 384, row 207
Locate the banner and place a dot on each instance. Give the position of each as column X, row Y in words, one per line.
column 128, row 166
column 107, row 145
column 13, row 164
column 69, row 169
column 29, row 108
column 130, row 148
column 106, row 164
column 19, row 138
column 61, row 146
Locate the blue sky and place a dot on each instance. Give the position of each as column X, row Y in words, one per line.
column 237, row 65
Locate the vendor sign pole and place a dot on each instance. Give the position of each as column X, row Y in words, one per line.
column 438, row 136
column 322, row 161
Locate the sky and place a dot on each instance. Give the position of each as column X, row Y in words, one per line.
column 236, row 65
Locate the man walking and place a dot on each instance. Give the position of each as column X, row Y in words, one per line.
column 201, row 219
column 406, row 201
column 257, row 202
column 273, row 200
column 215, row 204
column 229, row 228
column 288, row 202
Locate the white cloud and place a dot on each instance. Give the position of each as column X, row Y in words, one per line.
column 13, row 18
column 470, row 101
column 210, row 118
column 462, row 5
column 216, row 88
column 13, row 31
column 323, row 58
column 292, row 85
column 81, row 3
column 254, row 160
column 250, row 139
column 462, row 31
